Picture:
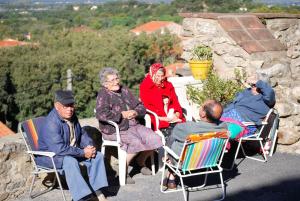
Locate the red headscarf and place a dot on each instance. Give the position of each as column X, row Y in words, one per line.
column 153, row 70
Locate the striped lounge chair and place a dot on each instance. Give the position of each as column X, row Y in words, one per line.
column 30, row 131
column 202, row 154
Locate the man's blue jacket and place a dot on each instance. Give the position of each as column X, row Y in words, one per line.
column 254, row 107
column 55, row 137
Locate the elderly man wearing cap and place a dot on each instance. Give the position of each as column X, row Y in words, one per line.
column 63, row 135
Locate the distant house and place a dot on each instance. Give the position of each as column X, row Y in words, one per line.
column 4, row 130
column 76, row 8
column 94, row 8
column 158, row 26
column 11, row 43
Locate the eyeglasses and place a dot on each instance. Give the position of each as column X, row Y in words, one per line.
column 117, row 79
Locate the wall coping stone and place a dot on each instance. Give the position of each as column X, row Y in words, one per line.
column 259, row 15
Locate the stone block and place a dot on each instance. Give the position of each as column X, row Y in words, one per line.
column 294, row 52
column 288, row 136
column 251, row 22
column 272, row 45
column 278, row 70
column 3, row 196
column 252, row 46
column 239, row 36
column 284, row 109
column 203, row 28
column 296, row 92
column 281, row 24
column 260, row 34
column 229, row 23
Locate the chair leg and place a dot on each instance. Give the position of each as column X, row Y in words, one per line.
column 103, row 150
column 183, row 188
column 60, row 186
column 223, row 187
column 122, row 166
column 263, row 154
column 152, row 164
column 273, row 143
column 31, row 186
column 160, row 156
column 162, row 178
column 236, row 154
column 47, row 190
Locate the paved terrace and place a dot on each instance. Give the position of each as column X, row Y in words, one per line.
column 276, row 180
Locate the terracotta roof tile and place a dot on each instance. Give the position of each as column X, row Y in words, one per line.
column 4, row 130
column 251, row 35
column 11, row 43
column 151, row 27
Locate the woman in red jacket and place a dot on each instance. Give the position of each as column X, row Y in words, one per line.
column 153, row 89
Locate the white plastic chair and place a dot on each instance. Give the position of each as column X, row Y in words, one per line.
column 30, row 133
column 160, row 151
column 121, row 154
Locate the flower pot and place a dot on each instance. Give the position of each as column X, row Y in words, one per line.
column 200, row 69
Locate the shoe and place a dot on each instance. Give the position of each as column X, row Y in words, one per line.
column 169, row 184
column 146, row 171
column 129, row 180
column 101, row 197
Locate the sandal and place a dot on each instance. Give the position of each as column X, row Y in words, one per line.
column 169, row 184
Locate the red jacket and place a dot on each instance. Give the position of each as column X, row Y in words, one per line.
column 151, row 96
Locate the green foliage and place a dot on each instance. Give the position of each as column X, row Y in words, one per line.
column 202, row 52
column 276, row 9
column 215, row 88
column 37, row 71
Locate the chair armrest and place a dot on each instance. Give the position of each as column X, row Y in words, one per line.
column 42, row 153
column 117, row 130
column 248, row 123
column 158, row 132
column 171, row 152
column 156, row 118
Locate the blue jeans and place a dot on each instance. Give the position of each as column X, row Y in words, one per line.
column 96, row 172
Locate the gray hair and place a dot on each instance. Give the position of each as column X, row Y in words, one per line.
column 104, row 72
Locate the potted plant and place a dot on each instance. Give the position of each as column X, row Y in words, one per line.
column 201, row 61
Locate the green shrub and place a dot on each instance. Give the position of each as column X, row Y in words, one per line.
column 202, row 52
column 216, row 88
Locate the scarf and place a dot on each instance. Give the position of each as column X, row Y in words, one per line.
column 153, row 70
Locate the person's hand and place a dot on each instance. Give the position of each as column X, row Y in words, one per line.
column 89, row 151
column 125, row 114
column 130, row 114
column 175, row 119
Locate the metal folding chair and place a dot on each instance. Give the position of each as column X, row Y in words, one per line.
column 266, row 134
column 30, row 131
column 202, row 154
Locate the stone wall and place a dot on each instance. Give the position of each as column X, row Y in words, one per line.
column 281, row 67
column 15, row 167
